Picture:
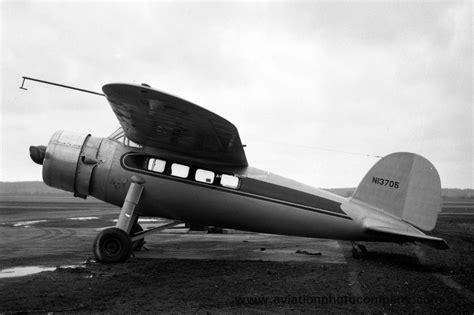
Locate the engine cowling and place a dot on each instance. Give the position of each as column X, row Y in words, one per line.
column 70, row 160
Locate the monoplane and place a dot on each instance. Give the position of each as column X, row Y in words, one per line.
column 176, row 160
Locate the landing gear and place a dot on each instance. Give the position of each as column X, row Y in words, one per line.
column 112, row 245
column 358, row 250
column 138, row 244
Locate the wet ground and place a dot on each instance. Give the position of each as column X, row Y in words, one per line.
column 186, row 271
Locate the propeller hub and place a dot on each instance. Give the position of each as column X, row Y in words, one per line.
column 37, row 153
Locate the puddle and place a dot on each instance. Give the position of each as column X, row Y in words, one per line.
column 147, row 220
column 151, row 220
column 29, row 270
column 28, row 223
column 84, row 218
column 23, row 271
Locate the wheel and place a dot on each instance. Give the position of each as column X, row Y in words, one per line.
column 112, row 245
column 138, row 244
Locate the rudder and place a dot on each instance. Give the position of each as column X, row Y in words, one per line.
column 404, row 185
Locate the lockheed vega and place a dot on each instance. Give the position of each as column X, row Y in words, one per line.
column 176, row 160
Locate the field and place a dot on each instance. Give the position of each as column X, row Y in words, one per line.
column 234, row 272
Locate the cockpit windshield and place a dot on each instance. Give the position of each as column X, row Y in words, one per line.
column 119, row 135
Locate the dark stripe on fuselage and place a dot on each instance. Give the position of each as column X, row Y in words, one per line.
column 286, row 194
column 283, row 202
column 257, row 189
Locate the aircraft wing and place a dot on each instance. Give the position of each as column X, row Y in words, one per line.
column 159, row 120
column 376, row 221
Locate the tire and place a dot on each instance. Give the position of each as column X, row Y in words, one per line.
column 138, row 244
column 112, row 245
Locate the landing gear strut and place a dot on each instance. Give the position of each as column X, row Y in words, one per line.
column 138, row 244
column 358, row 250
column 114, row 245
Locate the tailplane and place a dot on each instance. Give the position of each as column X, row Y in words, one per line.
column 399, row 195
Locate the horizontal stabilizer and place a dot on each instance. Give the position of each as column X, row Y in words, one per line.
column 431, row 241
column 387, row 226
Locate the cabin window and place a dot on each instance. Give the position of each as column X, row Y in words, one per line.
column 229, row 181
column 204, row 176
column 179, row 170
column 156, row 165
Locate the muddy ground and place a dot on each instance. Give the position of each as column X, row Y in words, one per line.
column 390, row 279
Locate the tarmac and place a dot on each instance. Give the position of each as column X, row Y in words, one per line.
column 34, row 238
column 194, row 271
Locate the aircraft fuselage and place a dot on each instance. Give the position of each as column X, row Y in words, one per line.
column 243, row 198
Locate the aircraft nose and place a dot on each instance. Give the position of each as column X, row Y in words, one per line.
column 37, row 153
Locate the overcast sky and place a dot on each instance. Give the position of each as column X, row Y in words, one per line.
column 313, row 87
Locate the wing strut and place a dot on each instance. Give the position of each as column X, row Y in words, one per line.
column 57, row 84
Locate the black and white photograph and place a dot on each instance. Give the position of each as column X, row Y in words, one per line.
column 236, row 157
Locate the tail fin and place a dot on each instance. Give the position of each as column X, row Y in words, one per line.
column 403, row 185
